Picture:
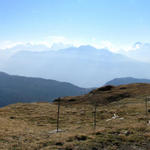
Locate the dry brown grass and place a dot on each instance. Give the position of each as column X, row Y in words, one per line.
column 28, row 126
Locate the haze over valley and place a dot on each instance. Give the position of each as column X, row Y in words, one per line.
column 84, row 66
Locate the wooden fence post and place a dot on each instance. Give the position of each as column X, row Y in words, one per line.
column 58, row 112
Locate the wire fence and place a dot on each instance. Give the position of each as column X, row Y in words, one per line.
column 93, row 115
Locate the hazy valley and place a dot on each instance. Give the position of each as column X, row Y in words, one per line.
column 84, row 66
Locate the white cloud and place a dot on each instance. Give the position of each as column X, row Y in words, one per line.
column 9, row 44
column 139, row 51
column 108, row 45
column 51, row 41
column 59, row 42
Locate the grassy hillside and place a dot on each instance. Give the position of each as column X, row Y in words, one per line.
column 107, row 94
column 31, row 126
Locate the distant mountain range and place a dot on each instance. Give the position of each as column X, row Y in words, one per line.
column 84, row 66
column 127, row 80
column 15, row 89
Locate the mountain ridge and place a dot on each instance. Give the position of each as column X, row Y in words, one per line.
column 15, row 89
column 126, row 80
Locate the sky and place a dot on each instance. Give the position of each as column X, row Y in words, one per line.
column 115, row 24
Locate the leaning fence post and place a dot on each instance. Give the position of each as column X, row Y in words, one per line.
column 58, row 112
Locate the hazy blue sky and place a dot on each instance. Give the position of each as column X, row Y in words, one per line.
column 117, row 22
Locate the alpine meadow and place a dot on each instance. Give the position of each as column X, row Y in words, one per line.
column 74, row 75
